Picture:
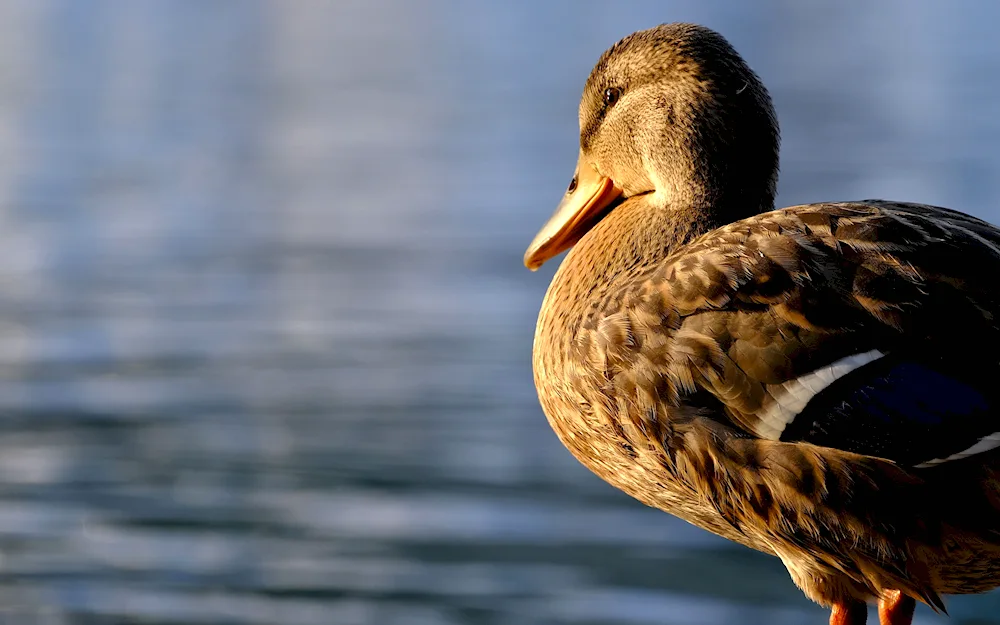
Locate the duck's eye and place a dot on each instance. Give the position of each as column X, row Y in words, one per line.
column 572, row 184
column 611, row 95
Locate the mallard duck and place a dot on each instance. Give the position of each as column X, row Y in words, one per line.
column 815, row 382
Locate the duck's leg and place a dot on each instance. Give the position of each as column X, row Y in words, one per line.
column 895, row 608
column 852, row 613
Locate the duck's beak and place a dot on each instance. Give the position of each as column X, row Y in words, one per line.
column 588, row 195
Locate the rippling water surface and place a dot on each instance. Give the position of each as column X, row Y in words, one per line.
column 264, row 328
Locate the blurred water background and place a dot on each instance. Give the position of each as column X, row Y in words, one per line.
column 264, row 329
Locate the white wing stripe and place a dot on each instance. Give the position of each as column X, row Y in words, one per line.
column 986, row 443
column 801, row 390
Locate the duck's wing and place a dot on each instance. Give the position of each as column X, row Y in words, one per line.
column 866, row 327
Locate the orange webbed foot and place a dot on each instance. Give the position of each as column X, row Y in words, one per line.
column 895, row 608
column 853, row 613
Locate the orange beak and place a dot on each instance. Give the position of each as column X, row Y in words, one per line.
column 581, row 208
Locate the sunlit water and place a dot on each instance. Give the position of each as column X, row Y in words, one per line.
column 264, row 329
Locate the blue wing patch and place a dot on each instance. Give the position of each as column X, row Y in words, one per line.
column 900, row 409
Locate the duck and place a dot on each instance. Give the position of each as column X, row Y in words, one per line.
column 816, row 382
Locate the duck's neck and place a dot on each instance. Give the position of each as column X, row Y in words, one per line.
column 636, row 235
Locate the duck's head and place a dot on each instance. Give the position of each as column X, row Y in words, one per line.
column 672, row 114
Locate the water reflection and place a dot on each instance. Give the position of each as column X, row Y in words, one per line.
column 265, row 332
